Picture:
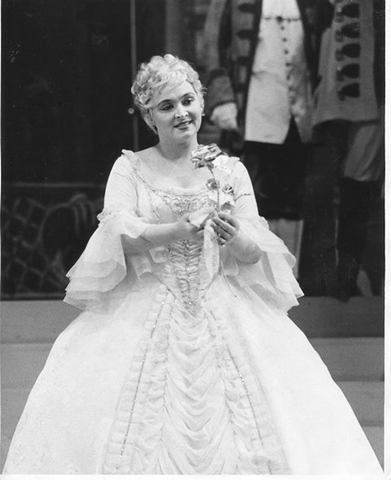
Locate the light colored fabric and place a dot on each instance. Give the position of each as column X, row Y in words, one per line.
column 365, row 158
column 191, row 365
column 328, row 105
column 292, row 232
column 280, row 85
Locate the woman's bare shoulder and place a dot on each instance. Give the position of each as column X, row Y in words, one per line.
column 134, row 158
column 147, row 154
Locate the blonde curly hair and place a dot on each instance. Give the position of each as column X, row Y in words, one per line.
column 155, row 74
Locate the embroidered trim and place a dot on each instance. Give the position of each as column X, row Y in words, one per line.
column 118, row 454
column 268, row 454
column 187, row 273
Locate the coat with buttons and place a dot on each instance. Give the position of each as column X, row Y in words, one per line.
column 350, row 67
column 230, row 39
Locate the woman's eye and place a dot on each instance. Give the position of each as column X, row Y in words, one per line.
column 188, row 101
column 166, row 107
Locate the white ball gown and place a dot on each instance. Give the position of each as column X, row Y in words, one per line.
column 185, row 361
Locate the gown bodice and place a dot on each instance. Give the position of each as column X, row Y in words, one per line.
column 183, row 271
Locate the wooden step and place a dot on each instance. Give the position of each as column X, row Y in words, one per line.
column 366, row 400
column 375, row 436
column 352, row 358
column 38, row 321
column 22, row 363
column 13, row 401
column 329, row 317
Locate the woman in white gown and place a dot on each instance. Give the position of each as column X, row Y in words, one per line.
column 185, row 361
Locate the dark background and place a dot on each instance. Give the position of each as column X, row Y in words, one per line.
column 66, row 78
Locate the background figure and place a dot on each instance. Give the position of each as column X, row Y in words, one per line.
column 260, row 60
column 351, row 90
column 360, row 188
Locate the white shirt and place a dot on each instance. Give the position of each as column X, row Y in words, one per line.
column 280, row 83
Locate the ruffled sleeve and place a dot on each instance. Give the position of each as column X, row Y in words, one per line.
column 271, row 277
column 103, row 271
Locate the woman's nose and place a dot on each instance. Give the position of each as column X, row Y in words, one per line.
column 181, row 111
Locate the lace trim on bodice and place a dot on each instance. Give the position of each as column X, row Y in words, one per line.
column 182, row 204
column 179, row 202
column 184, row 266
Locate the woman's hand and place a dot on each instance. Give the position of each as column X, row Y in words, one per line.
column 226, row 227
column 188, row 231
column 228, row 233
column 165, row 233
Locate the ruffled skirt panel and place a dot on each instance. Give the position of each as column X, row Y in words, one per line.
column 153, row 388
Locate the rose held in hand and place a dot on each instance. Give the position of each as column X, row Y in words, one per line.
column 224, row 225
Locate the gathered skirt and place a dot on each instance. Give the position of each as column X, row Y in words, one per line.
column 233, row 387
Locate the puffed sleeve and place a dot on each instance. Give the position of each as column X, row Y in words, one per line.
column 271, row 277
column 99, row 276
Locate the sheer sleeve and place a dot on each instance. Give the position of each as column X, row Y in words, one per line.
column 271, row 277
column 98, row 277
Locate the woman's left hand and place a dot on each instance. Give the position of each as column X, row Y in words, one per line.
column 226, row 227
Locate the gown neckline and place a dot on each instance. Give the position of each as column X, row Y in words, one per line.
column 157, row 185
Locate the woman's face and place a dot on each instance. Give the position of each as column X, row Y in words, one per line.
column 176, row 112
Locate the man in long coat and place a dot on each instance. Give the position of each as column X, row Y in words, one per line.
column 260, row 59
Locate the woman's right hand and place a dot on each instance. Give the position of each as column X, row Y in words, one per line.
column 188, row 231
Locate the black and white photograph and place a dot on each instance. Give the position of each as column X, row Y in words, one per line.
column 193, row 238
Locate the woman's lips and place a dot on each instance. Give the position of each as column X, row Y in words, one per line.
column 184, row 124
